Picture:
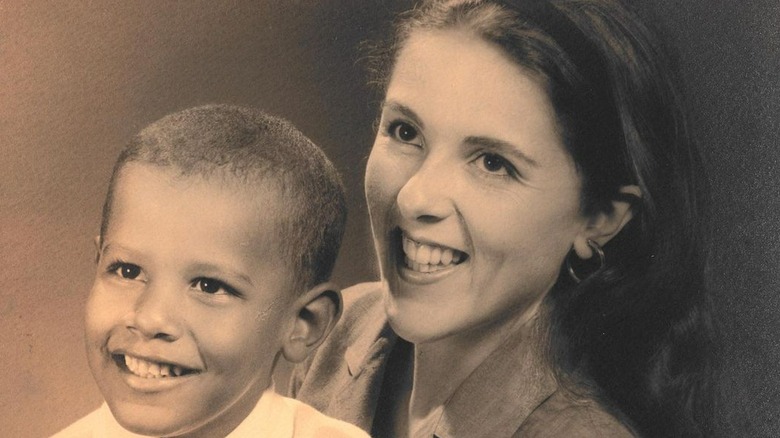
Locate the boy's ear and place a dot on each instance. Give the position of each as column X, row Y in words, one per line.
column 604, row 226
column 318, row 310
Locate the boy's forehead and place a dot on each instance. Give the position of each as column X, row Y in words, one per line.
column 169, row 191
column 161, row 213
column 264, row 189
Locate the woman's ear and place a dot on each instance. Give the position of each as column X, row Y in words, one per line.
column 604, row 226
column 317, row 312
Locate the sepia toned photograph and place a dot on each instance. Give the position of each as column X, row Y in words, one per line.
column 400, row 218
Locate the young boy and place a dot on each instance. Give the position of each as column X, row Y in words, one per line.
column 219, row 233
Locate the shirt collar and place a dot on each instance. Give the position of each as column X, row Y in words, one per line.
column 269, row 417
column 375, row 338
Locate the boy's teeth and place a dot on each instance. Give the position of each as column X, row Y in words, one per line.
column 130, row 362
column 151, row 370
column 422, row 257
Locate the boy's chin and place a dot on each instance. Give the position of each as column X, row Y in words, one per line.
column 145, row 420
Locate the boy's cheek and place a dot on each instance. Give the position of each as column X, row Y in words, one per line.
column 103, row 310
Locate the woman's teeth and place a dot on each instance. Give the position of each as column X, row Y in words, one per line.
column 152, row 370
column 422, row 257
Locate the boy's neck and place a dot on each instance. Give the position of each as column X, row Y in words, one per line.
column 237, row 413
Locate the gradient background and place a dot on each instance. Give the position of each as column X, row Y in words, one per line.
column 78, row 79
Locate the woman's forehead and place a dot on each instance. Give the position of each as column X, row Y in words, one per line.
column 456, row 83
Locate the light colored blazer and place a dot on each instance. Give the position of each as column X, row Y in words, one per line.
column 511, row 394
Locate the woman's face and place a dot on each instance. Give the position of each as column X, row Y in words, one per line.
column 474, row 201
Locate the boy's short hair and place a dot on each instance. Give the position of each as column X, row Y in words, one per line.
column 252, row 147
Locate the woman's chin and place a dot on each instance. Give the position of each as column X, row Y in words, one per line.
column 413, row 322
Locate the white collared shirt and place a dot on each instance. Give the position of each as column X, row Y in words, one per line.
column 274, row 416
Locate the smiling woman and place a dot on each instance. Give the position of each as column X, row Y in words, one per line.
column 535, row 209
column 462, row 177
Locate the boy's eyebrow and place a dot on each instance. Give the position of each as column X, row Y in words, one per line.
column 405, row 110
column 115, row 246
column 210, row 267
column 501, row 146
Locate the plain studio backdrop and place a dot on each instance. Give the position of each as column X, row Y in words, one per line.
column 78, row 79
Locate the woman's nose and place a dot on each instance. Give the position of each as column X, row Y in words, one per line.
column 428, row 195
column 156, row 314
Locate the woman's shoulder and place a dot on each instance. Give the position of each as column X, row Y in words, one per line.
column 361, row 323
column 362, row 312
column 565, row 415
column 327, row 379
column 361, row 296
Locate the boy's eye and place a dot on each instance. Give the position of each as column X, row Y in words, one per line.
column 212, row 286
column 495, row 164
column 127, row 271
column 403, row 132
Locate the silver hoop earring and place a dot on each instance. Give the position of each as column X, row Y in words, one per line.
column 597, row 249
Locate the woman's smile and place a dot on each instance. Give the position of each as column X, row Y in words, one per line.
column 424, row 261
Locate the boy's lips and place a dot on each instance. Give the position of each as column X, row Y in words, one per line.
column 150, row 367
column 151, row 375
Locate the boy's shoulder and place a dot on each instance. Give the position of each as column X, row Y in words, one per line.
column 275, row 416
column 97, row 424
column 85, row 427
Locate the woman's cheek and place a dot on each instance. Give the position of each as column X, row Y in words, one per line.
column 384, row 178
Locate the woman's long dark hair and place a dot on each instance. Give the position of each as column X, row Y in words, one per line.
column 636, row 335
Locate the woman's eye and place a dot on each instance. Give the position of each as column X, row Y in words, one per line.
column 495, row 164
column 403, row 132
column 127, row 271
column 212, row 286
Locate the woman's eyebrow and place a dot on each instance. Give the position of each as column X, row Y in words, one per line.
column 501, row 146
column 405, row 110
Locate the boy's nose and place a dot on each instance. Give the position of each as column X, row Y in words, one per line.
column 155, row 315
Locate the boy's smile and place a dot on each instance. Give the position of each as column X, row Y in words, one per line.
column 151, row 368
column 190, row 302
column 152, row 373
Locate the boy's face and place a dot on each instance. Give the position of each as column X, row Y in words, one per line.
column 190, row 302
